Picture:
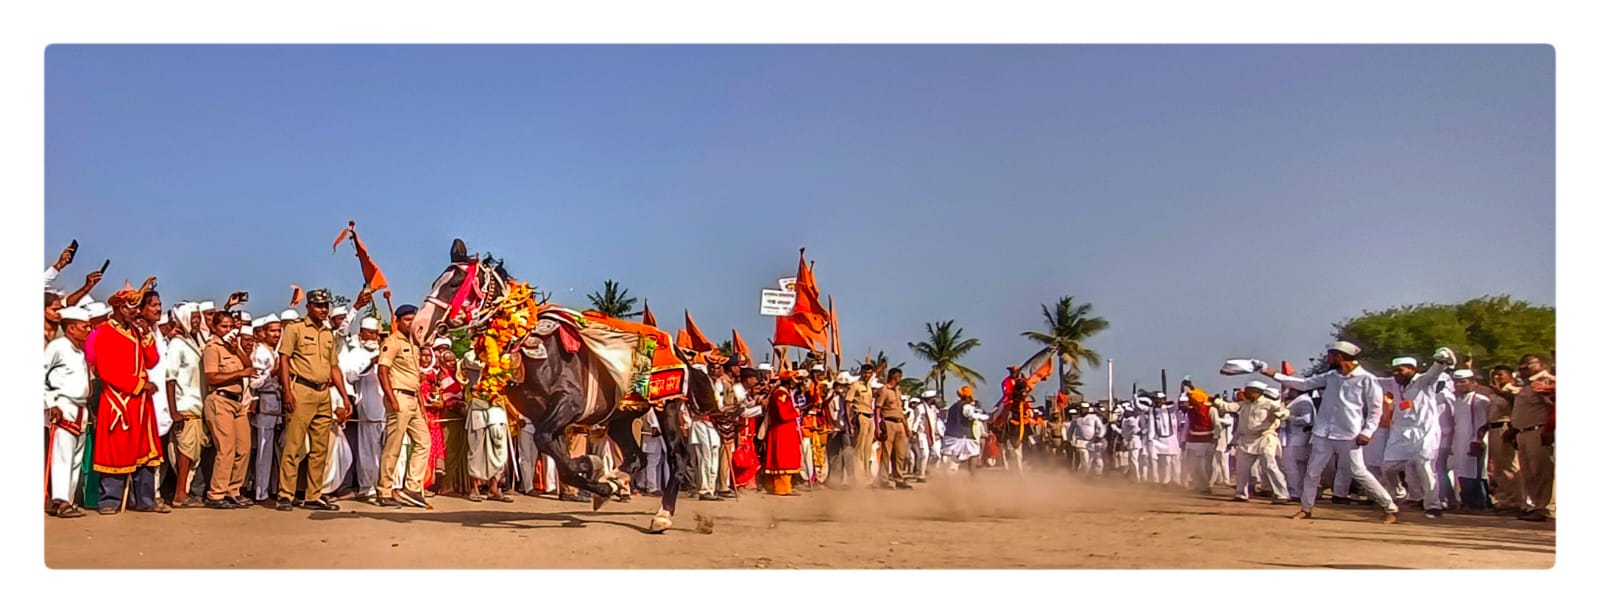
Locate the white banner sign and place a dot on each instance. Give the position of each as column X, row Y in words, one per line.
column 777, row 302
column 787, row 283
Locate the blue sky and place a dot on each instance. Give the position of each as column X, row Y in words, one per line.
column 1210, row 201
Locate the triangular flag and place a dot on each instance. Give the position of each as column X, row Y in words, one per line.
column 806, row 325
column 649, row 318
column 740, row 351
column 370, row 272
column 1288, row 369
column 697, row 339
column 296, row 295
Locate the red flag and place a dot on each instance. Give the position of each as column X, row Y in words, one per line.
column 296, row 295
column 806, row 325
column 649, row 318
column 697, row 339
column 369, row 271
column 1287, row 369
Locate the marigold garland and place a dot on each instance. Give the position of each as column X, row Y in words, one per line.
column 513, row 321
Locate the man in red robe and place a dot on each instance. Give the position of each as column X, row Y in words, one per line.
column 783, row 437
column 126, row 442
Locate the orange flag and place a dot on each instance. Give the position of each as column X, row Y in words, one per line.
column 697, row 339
column 684, row 342
column 369, row 271
column 1287, row 368
column 296, row 295
column 806, row 325
column 741, row 351
column 649, row 318
column 1043, row 372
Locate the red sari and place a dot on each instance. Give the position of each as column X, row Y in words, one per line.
column 783, row 435
column 429, row 385
column 125, row 435
column 745, row 463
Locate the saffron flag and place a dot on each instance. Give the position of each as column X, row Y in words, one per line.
column 697, row 339
column 1287, row 368
column 296, row 295
column 649, row 318
column 369, row 270
column 807, row 325
column 740, row 350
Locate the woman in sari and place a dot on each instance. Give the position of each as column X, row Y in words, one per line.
column 428, row 394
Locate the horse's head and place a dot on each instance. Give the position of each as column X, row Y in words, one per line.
column 457, row 296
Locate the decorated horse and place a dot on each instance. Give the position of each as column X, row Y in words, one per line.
column 1015, row 424
column 559, row 367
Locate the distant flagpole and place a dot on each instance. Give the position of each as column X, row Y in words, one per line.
column 1111, row 383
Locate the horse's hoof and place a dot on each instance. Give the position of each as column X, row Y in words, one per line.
column 660, row 523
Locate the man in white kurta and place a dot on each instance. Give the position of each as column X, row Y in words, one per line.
column 1415, row 436
column 267, row 419
column 1166, row 429
column 66, row 398
column 1297, row 441
column 1470, row 411
column 1084, row 431
column 359, row 365
column 1257, row 442
column 1352, row 402
column 1131, row 429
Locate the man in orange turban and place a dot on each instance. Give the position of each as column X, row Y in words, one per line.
column 783, row 437
column 126, row 443
column 1200, row 439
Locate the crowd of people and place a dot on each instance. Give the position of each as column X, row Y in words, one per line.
column 150, row 408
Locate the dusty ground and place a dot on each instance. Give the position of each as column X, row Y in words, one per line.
column 1052, row 521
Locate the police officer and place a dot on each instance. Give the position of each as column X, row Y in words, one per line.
column 307, row 357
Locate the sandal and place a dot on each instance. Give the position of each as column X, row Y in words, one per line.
column 68, row 511
column 501, row 497
column 475, row 497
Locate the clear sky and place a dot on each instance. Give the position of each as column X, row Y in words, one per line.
column 1210, row 201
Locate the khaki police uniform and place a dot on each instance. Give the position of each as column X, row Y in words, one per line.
column 309, row 352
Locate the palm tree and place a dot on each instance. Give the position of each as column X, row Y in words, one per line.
column 726, row 349
column 911, row 387
column 613, row 301
column 942, row 349
column 880, row 364
column 1072, row 384
column 1068, row 326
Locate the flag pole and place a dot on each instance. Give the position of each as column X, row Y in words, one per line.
column 838, row 350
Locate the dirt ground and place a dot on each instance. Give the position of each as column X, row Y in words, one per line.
column 995, row 521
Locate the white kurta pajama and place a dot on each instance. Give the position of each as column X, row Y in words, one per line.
column 488, row 440
column 1082, row 433
column 1297, row 443
column 1471, row 412
column 1351, row 406
column 66, row 388
column 1257, row 444
column 1416, row 435
column 1166, row 428
column 361, row 371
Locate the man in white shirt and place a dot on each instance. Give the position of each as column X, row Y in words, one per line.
column 359, row 363
column 488, row 438
column 268, row 417
column 1083, row 431
column 1131, row 430
column 1257, row 442
column 1352, row 402
column 1471, row 414
column 186, row 401
column 654, row 477
column 706, row 442
column 1415, row 436
column 1297, row 442
column 66, row 398
column 1166, row 428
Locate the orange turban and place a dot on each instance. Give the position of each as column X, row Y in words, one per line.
column 787, row 375
column 965, row 391
column 1199, row 396
column 129, row 295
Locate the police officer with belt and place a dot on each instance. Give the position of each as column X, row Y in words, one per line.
column 306, row 369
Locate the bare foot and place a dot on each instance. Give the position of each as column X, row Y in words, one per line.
column 1389, row 518
column 1301, row 515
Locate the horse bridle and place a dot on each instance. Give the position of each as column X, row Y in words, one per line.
column 480, row 283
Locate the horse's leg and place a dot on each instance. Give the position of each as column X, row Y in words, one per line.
column 574, row 471
column 620, row 431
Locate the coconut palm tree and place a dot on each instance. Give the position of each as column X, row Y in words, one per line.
column 911, row 387
column 881, row 364
column 726, row 349
column 613, row 301
column 942, row 349
column 1067, row 327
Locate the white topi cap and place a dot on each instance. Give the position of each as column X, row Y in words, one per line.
column 245, row 315
column 1270, row 392
column 1398, row 362
column 1345, row 347
column 845, row 379
column 338, row 311
column 442, row 342
column 208, row 306
column 764, row 366
column 930, row 394
column 247, row 330
column 369, row 323
column 1256, row 385
column 1465, row 373
column 97, row 310
column 289, row 315
column 74, row 314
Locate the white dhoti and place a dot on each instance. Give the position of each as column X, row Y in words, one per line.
column 527, row 461
column 339, row 459
column 707, row 445
column 66, row 465
column 488, row 441
column 1198, row 463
